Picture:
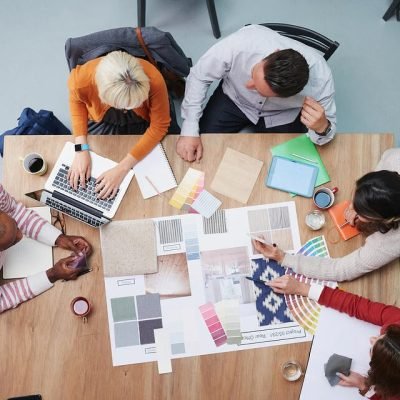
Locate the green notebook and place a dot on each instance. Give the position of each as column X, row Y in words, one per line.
column 303, row 147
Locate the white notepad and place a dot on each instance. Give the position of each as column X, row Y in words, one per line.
column 154, row 173
column 28, row 256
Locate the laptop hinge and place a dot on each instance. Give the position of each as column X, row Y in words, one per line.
column 77, row 204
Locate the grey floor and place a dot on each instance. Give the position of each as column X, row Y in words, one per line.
column 365, row 67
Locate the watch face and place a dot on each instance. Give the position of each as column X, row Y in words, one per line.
column 78, row 147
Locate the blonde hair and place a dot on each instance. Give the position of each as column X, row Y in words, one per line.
column 121, row 81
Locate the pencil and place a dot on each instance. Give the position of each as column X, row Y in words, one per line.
column 154, row 186
column 344, row 224
column 304, row 158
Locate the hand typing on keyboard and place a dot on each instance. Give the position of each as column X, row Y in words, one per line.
column 80, row 170
column 107, row 183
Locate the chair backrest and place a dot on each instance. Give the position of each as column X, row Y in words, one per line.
column 306, row 36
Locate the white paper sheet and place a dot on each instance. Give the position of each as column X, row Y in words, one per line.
column 337, row 333
column 28, row 256
column 182, row 241
column 154, row 173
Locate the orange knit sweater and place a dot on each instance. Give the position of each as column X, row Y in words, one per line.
column 84, row 103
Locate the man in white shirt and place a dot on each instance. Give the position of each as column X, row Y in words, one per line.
column 272, row 82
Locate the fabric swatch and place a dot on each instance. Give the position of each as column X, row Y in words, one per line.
column 123, row 308
column 129, row 247
column 149, row 306
column 236, row 175
column 126, row 334
column 337, row 363
column 271, row 306
column 206, row 204
column 146, row 329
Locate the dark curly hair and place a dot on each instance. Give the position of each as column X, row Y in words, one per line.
column 384, row 372
column 286, row 72
column 377, row 198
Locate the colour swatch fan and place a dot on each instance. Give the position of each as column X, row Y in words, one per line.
column 304, row 310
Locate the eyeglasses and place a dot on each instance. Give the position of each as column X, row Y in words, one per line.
column 58, row 220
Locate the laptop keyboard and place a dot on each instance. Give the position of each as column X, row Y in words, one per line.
column 87, row 194
column 73, row 212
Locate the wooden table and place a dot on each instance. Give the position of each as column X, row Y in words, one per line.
column 45, row 349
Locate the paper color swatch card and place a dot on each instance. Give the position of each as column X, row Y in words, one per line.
column 188, row 190
column 154, row 174
column 304, row 149
column 206, row 204
column 337, row 213
column 28, row 256
column 236, row 175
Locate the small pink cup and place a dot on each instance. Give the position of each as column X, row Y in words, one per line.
column 81, row 307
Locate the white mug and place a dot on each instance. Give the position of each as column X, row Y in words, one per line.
column 324, row 197
column 34, row 164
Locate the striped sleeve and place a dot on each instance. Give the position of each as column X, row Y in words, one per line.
column 14, row 293
column 28, row 221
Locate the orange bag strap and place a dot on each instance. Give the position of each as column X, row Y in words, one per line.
column 144, row 47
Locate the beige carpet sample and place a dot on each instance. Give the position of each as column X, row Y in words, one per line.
column 236, row 175
column 129, row 247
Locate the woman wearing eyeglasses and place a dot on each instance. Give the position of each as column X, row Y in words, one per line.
column 376, row 213
column 383, row 377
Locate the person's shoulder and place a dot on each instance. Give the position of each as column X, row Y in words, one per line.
column 83, row 75
column 390, row 160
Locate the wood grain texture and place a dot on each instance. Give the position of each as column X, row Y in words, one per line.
column 46, row 349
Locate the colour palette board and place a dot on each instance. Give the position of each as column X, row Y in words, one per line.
column 201, row 261
column 188, row 190
column 213, row 323
column 304, row 310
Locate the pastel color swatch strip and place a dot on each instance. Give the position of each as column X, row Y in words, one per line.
column 188, row 190
column 213, row 324
column 228, row 312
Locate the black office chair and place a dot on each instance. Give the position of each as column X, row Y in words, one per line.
column 306, row 36
column 394, row 8
column 141, row 12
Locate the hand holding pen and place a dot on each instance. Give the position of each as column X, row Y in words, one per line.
column 269, row 250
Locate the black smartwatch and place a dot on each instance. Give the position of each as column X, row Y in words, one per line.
column 326, row 131
column 81, row 147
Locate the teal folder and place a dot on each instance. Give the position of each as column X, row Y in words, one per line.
column 303, row 147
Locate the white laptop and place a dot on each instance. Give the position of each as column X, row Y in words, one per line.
column 82, row 204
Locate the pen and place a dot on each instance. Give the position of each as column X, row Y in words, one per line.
column 304, row 158
column 261, row 240
column 344, row 224
column 256, row 280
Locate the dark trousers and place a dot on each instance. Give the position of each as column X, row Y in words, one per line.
column 222, row 115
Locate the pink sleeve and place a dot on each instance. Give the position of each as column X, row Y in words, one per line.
column 14, row 293
column 28, row 221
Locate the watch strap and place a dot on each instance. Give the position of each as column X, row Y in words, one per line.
column 81, row 147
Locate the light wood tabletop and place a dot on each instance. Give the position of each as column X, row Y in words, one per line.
column 45, row 349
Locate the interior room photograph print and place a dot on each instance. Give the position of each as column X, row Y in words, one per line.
column 224, row 273
column 172, row 278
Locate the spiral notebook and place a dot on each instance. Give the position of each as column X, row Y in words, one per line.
column 154, row 174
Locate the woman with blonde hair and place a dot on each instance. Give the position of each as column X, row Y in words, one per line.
column 115, row 94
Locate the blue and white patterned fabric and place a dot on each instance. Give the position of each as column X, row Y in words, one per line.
column 271, row 307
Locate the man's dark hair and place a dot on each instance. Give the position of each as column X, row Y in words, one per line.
column 286, row 72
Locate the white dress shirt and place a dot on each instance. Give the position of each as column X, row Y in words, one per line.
column 232, row 60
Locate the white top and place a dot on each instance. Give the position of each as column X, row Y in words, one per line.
column 232, row 60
